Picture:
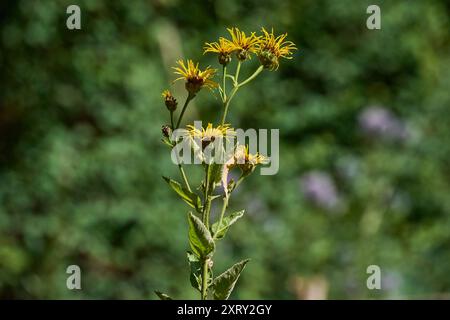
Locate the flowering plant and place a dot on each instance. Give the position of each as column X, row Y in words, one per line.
column 208, row 145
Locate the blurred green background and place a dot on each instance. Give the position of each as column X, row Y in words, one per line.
column 364, row 149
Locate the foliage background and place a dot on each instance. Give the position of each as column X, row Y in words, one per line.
column 81, row 158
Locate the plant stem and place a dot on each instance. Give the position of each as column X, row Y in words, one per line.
column 222, row 213
column 183, row 175
column 205, row 218
column 207, row 201
column 204, row 293
column 224, row 74
column 171, row 120
column 227, row 104
column 188, row 99
column 253, row 76
column 236, row 88
column 238, row 69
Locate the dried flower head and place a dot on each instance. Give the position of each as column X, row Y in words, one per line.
column 271, row 48
column 195, row 78
column 223, row 48
column 242, row 44
column 169, row 100
column 245, row 160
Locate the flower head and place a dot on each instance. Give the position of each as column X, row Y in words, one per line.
column 195, row 78
column 169, row 100
column 242, row 44
column 271, row 48
column 243, row 160
column 223, row 48
column 210, row 133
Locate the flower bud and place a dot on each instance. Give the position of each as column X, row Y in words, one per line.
column 166, row 131
column 224, row 59
column 169, row 100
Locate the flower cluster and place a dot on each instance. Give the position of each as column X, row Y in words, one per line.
column 203, row 235
column 268, row 47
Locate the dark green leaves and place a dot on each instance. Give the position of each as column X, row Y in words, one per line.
column 223, row 285
column 219, row 231
column 189, row 197
column 200, row 239
column 163, row 296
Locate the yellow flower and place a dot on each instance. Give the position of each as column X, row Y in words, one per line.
column 210, row 133
column 217, row 138
column 271, row 48
column 169, row 100
column 195, row 78
column 242, row 44
column 224, row 48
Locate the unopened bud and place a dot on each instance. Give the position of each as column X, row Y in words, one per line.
column 169, row 100
column 166, row 131
column 224, row 59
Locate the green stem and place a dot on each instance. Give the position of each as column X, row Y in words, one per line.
column 236, row 88
column 238, row 69
column 204, row 293
column 241, row 178
column 207, row 201
column 205, row 218
column 227, row 104
column 222, row 213
column 171, row 120
column 253, row 76
column 224, row 98
column 183, row 175
column 188, row 99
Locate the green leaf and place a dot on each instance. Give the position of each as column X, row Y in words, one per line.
column 163, row 296
column 223, row 285
column 220, row 231
column 167, row 142
column 200, row 239
column 196, row 270
column 189, row 197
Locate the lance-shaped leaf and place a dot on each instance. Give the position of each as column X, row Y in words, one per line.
column 223, row 285
column 219, row 231
column 163, row 296
column 189, row 197
column 200, row 239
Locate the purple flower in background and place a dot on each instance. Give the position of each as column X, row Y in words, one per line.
column 378, row 121
column 319, row 188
